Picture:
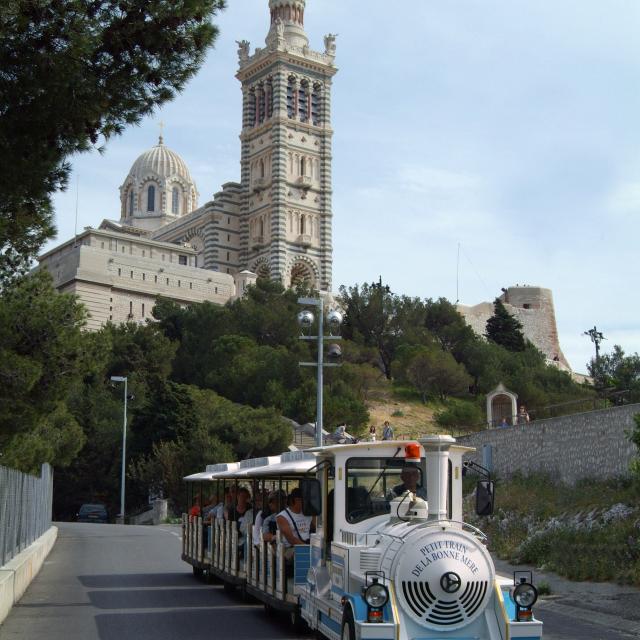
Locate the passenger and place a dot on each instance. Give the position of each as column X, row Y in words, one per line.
column 194, row 512
column 217, row 513
column 208, row 507
column 242, row 514
column 409, row 476
column 261, row 506
column 229, row 501
column 294, row 526
column 276, row 501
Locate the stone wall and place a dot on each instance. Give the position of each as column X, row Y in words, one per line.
column 583, row 445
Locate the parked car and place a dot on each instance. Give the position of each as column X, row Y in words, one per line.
column 93, row 513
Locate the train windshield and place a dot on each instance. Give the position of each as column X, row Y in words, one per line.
column 373, row 482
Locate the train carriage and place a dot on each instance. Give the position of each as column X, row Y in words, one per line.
column 391, row 556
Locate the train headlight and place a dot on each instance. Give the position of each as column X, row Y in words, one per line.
column 376, row 595
column 525, row 595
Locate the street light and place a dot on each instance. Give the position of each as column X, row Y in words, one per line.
column 334, row 320
column 124, row 442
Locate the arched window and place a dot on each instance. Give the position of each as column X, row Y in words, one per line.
column 262, row 226
column 303, row 111
column 131, row 202
column 269, row 90
column 151, row 198
column 315, row 105
column 262, row 168
column 301, row 275
column 262, row 103
column 303, row 166
column 303, row 220
column 175, row 201
column 291, row 98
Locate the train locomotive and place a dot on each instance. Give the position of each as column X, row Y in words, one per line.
column 390, row 557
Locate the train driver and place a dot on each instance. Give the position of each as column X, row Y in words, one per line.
column 410, row 476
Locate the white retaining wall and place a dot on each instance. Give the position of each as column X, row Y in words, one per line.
column 17, row 575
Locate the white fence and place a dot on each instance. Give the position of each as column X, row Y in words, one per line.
column 25, row 509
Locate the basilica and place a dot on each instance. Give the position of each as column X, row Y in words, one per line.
column 276, row 222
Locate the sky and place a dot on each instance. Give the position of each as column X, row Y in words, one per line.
column 503, row 131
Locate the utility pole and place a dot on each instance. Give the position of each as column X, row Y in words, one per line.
column 306, row 321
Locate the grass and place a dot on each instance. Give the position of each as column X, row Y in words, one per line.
column 402, row 407
column 561, row 528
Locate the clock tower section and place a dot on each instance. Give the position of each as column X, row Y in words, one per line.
column 286, row 217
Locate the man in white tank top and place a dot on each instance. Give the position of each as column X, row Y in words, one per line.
column 294, row 526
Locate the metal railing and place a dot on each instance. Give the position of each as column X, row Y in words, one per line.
column 25, row 509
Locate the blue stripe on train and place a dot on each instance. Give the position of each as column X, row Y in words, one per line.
column 328, row 622
column 302, row 563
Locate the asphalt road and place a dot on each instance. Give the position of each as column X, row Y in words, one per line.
column 109, row 582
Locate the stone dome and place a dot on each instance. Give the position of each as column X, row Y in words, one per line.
column 157, row 190
column 161, row 161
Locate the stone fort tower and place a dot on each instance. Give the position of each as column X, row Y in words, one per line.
column 534, row 308
column 285, row 210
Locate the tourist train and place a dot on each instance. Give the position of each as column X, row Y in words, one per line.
column 385, row 560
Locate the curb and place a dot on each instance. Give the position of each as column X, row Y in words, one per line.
column 17, row 574
column 614, row 623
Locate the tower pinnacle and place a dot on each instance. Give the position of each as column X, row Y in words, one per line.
column 287, row 20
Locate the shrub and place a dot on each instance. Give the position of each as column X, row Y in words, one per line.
column 460, row 413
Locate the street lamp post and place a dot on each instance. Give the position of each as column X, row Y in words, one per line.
column 124, row 443
column 306, row 320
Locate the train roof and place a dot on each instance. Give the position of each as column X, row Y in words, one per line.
column 300, row 462
column 379, row 444
column 212, row 471
column 288, row 463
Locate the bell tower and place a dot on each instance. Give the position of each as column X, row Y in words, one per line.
column 286, row 215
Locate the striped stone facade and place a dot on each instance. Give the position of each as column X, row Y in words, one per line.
column 286, row 215
column 276, row 222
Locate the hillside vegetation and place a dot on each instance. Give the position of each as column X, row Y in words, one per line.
column 208, row 383
column 590, row 531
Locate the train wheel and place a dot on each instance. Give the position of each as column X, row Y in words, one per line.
column 227, row 587
column 197, row 572
column 348, row 626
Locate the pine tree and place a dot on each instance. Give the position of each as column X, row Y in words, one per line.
column 504, row 329
column 73, row 74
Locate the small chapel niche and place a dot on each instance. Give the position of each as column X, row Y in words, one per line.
column 502, row 407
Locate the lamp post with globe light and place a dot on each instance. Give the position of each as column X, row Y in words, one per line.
column 306, row 321
column 124, row 443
